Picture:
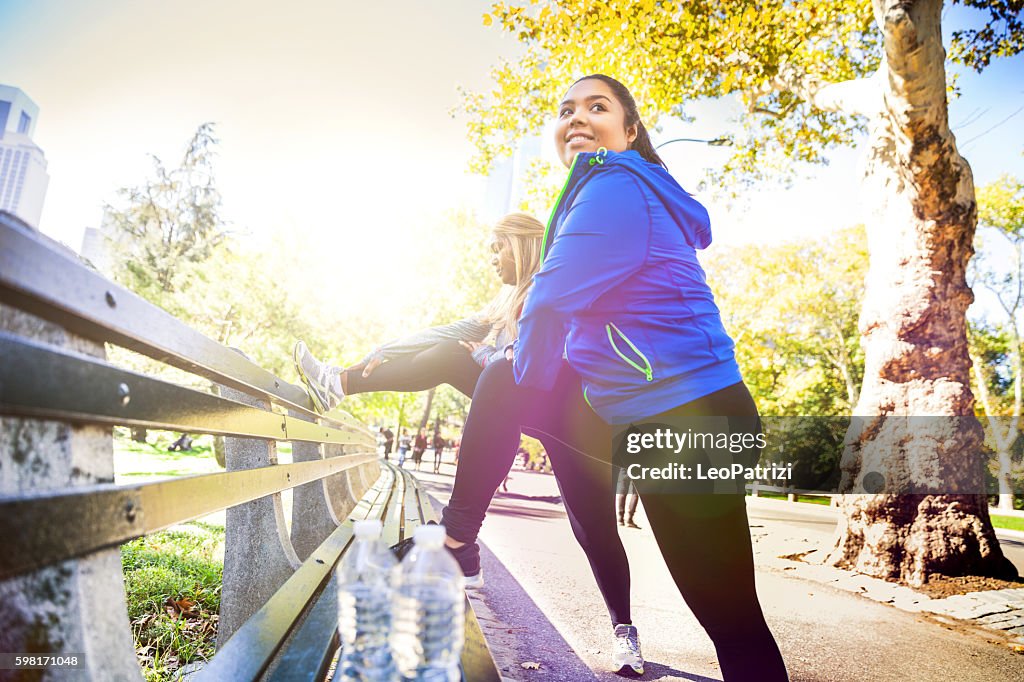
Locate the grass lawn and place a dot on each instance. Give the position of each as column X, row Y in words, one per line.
column 818, row 499
column 172, row 582
column 1008, row 522
column 173, row 578
column 137, row 462
column 1005, row 522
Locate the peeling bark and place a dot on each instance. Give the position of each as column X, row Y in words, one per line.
column 913, row 327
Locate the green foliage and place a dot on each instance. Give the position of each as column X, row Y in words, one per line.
column 992, row 348
column 173, row 583
column 236, row 299
column 543, row 181
column 148, row 460
column 799, row 354
column 169, row 223
column 1001, row 206
column 669, row 54
column 999, row 268
column 995, row 342
column 1001, row 36
column 172, row 247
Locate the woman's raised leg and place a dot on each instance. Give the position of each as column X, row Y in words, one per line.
column 444, row 363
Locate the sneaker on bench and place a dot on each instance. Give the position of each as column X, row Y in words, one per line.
column 321, row 380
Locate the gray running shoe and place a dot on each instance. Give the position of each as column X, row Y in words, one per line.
column 626, row 659
column 319, row 378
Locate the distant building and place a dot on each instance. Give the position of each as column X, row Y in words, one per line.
column 23, row 178
column 506, row 186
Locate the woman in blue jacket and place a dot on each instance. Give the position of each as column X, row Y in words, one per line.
column 620, row 318
column 439, row 355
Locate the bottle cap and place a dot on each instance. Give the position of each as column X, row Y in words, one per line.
column 430, row 535
column 370, row 528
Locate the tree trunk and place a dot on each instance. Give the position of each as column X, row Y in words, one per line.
column 426, row 410
column 913, row 327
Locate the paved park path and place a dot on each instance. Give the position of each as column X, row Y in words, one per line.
column 540, row 606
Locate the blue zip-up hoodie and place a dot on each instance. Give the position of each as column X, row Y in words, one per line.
column 620, row 293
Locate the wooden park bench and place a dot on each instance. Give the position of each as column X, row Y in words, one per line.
column 62, row 518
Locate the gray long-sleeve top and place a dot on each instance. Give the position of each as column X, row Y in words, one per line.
column 471, row 329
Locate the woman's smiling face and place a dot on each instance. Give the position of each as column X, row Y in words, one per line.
column 590, row 118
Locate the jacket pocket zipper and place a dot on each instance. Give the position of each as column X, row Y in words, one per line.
column 646, row 369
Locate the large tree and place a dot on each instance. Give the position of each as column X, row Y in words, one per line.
column 813, row 74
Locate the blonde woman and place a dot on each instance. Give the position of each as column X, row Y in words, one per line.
column 453, row 354
column 456, row 354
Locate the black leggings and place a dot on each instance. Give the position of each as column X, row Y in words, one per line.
column 445, row 363
column 578, row 444
column 585, row 484
column 704, row 539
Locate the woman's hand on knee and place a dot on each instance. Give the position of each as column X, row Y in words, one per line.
column 367, row 365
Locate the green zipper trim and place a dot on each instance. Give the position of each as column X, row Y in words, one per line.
column 646, row 370
column 585, row 389
column 558, row 202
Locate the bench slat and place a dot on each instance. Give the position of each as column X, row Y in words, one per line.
column 314, row 644
column 392, row 532
column 412, row 515
column 40, row 280
column 477, row 661
column 44, row 529
column 313, row 647
column 251, row 649
column 41, row 381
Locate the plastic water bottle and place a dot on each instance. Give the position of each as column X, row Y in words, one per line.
column 364, row 607
column 428, row 617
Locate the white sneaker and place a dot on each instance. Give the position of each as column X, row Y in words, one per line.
column 626, row 659
column 320, row 379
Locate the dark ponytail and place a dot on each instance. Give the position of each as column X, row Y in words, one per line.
column 642, row 144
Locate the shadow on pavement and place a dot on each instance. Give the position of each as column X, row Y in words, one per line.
column 655, row 671
column 550, row 499
column 504, row 504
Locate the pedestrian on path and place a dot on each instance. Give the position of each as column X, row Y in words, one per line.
column 624, row 489
column 389, row 441
column 418, row 448
column 621, row 318
column 438, row 450
column 403, row 447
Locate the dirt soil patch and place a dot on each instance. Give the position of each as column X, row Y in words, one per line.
column 940, row 586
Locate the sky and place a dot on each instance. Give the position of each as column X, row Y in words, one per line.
column 335, row 124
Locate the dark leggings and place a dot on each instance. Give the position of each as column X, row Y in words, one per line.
column 704, row 538
column 578, row 444
column 445, row 363
column 585, row 484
